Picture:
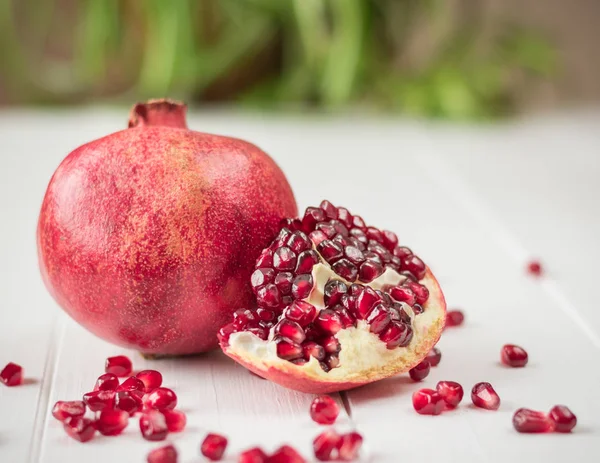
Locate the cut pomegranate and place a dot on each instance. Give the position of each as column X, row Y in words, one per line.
column 427, row 402
column 349, row 446
column 419, row 372
column 118, row 366
column 286, row 454
column 161, row 398
column 563, row 418
column 213, row 447
column 325, row 445
column 112, row 422
column 107, row 382
column 79, row 428
column 328, row 280
column 153, row 426
column 483, row 395
column 324, row 410
column 129, row 401
column 513, row 356
column 99, row 400
column 451, row 392
column 176, row 420
column 12, row 375
column 166, row 454
column 254, row 455
column 434, row 357
column 454, row 318
column 132, row 384
column 534, row 268
column 63, row 410
column 525, row 420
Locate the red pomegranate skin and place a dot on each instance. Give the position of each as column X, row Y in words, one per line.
column 147, row 237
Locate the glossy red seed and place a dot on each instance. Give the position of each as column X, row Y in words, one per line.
column 99, row 400
column 281, row 239
column 161, row 398
column 284, row 259
column 119, row 365
column 312, row 349
column 331, row 345
column 354, row 255
column 312, row 216
column 63, row 410
column 317, row 237
column 291, row 330
column 151, row 379
column 324, row 410
column 106, row 382
column 261, row 277
column 333, row 292
column 390, row 240
column 415, row 266
column 302, row 286
column 287, row 349
column 563, row 418
column 434, row 357
column 244, row 319
column 369, row 270
column 346, row 269
column 265, row 315
column 328, row 229
column 129, row 401
column 378, row 319
column 420, row 372
column 513, row 356
column 427, row 402
column 283, row 281
column 325, row 445
column 531, row 421
column 328, row 321
column 306, row 261
column 421, row 292
column 365, row 302
column 484, row 396
column 12, row 375
column 132, row 384
column 213, row 447
column 346, row 319
column 79, row 428
column 166, row 454
column 329, row 209
column 301, row 312
column 268, row 296
column 349, row 446
column 286, row 454
column 265, row 260
column 224, row 333
column 112, row 422
column 451, row 392
column 403, row 294
column 534, row 268
column 454, row 318
column 402, row 252
column 397, row 334
column 299, row 242
column 153, row 426
column 374, row 234
column 254, row 455
column 175, row 419
column 330, row 251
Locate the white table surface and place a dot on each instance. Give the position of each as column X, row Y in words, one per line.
column 475, row 202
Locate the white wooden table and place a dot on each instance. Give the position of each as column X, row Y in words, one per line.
column 475, row 202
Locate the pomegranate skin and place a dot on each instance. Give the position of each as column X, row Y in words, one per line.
column 147, row 237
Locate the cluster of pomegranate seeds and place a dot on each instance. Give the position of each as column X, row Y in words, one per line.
column 324, row 410
column 12, row 375
column 513, row 356
column 118, row 366
column 434, row 356
column 420, row 372
column 484, row 396
column 330, row 446
column 534, row 268
column 166, row 454
column 213, row 447
column 559, row 419
column 454, row 318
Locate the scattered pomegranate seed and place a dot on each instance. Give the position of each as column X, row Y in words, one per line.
column 420, row 372
column 325, row 445
column 525, row 420
column 176, row 420
column 324, row 410
column 349, row 446
column 534, row 268
column 563, row 418
column 132, row 384
column 79, row 428
column 427, row 402
column 129, row 401
column 213, row 447
column 513, row 356
column 166, row 454
column 12, row 375
column 112, row 422
column 286, row 454
column 454, row 318
column 107, row 382
column 451, row 392
column 161, row 398
column 483, row 395
column 434, row 357
column 63, row 410
column 118, row 366
column 98, row 400
column 254, row 455
column 153, row 426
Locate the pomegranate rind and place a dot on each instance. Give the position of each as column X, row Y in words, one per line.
column 315, row 381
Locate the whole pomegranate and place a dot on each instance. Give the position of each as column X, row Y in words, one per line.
column 148, row 237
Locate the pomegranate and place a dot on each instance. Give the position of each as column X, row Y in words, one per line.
column 147, row 237
column 525, row 420
column 340, row 305
column 213, row 447
column 563, row 418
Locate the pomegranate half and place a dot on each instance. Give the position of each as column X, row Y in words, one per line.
column 340, row 304
column 147, row 237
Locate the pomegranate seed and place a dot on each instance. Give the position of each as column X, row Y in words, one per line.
column 345, row 269
column 390, row 240
column 153, row 426
column 301, row 312
column 330, row 251
column 451, row 392
column 359, row 235
column 306, row 261
column 213, row 446
column 175, row 419
column 328, row 321
column 299, row 242
column 402, row 252
column 12, row 375
column 483, row 395
column 262, row 333
column 365, row 302
column 261, row 277
column 379, row 318
column 224, row 333
column 129, row 401
column 403, row 294
column 534, row 268
column 358, row 222
column 287, row 349
column 63, row 410
column 332, row 361
column 118, row 366
column 283, row 281
column 427, row 402
column 291, row 330
column 454, row 318
column 415, row 266
column 150, row 378
column 265, row 260
column 434, row 357
column 166, row 454
column 286, row 454
column 107, row 382
column 329, row 209
column 79, row 428
column 254, row 455
column 345, row 318
column 284, row 259
column 513, row 356
column 161, row 398
column 312, row 349
column 525, row 420
column 112, row 422
column 374, row 234
column 420, row 372
column 132, row 384
column 331, row 345
column 99, row 400
column 345, row 217
column 282, row 238
column 325, row 445
column 369, row 270
column 397, row 334
column 421, row 292
column 266, row 315
column 563, row 418
column 268, row 296
column 349, row 446
column 317, row 237
column 354, row 255
column 333, row 292
column 324, row 410
column 312, row 217
column 302, row 286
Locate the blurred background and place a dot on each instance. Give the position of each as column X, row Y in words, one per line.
column 454, row 59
